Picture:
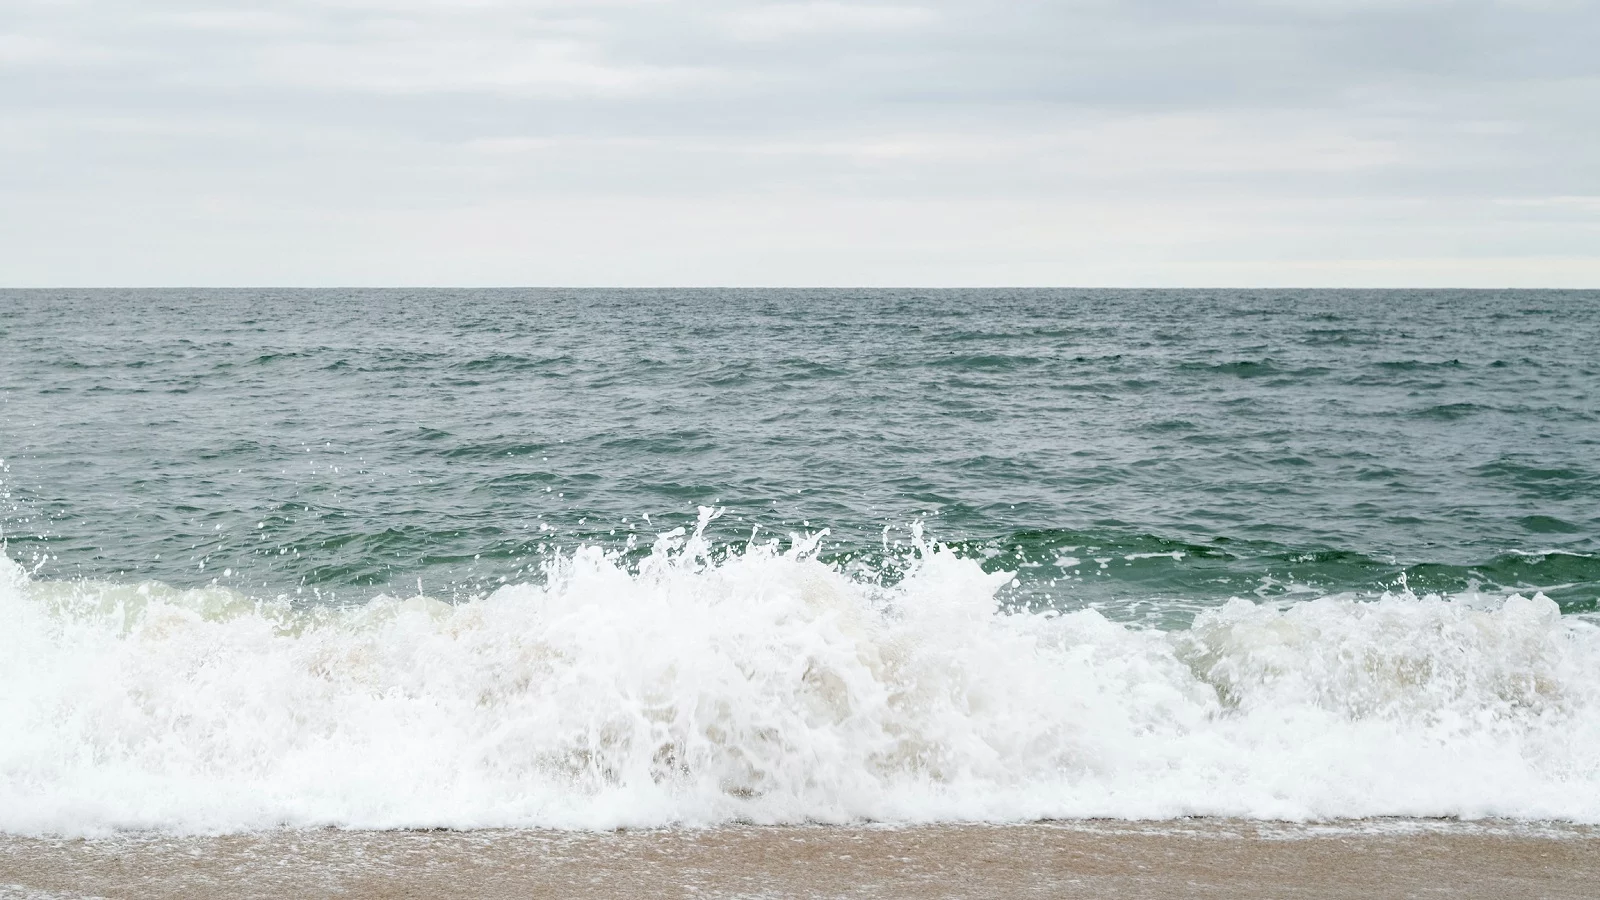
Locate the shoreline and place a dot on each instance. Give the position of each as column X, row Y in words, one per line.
column 1092, row 858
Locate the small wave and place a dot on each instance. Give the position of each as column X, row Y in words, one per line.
column 985, row 362
column 267, row 359
column 1209, row 572
column 1244, row 368
column 763, row 686
column 1252, row 368
column 511, row 362
column 1415, row 365
column 1162, row 426
column 495, row 449
column 1450, row 412
column 1548, row 525
column 1518, row 472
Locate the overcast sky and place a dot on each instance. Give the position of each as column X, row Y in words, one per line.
column 948, row 142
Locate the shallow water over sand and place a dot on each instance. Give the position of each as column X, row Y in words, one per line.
column 1191, row 858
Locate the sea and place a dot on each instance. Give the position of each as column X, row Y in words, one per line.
column 602, row 559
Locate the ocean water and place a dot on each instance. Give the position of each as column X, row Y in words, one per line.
column 590, row 559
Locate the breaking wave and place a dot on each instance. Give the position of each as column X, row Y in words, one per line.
column 765, row 686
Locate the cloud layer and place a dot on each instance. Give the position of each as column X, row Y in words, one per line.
column 1148, row 142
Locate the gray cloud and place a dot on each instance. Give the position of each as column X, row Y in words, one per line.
column 656, row 142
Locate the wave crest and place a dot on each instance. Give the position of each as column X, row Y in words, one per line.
column 766, row 686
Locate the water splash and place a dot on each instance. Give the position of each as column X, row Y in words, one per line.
column 705, row 685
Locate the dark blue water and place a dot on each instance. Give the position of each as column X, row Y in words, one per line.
column 1147, row 452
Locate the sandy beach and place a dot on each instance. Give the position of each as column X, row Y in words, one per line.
column 1193, row 858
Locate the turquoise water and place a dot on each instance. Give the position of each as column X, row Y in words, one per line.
column 1148, row 453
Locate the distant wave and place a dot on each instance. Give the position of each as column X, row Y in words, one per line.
column 696, row 687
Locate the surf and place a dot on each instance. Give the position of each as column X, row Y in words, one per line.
column 702, row 685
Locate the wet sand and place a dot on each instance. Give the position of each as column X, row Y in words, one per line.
column 1188, row 858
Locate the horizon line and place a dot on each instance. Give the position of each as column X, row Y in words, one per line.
column 771, row 287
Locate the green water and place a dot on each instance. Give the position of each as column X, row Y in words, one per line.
column 1149, row 453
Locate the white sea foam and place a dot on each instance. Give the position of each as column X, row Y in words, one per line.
column 769, row 687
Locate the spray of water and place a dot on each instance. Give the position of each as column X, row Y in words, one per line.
column 762, row 685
